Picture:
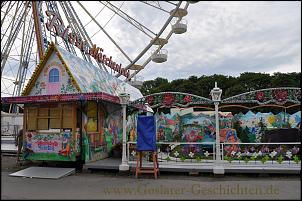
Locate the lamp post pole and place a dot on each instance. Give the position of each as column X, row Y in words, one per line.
column 216, row 94
column 124, row 98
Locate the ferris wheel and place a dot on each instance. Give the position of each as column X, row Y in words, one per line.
column 133, row 33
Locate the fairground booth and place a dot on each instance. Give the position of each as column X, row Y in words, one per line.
column 72, row 109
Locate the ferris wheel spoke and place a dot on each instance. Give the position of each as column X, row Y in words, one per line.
column 83, row 32
column 19, row 44
column 107, row 21
column 54, row 7
column 171, row 3
column 10, row 71
column 95, row 16
column 113, row 14
column 72, row 24
column 24, row 58
column 155, row 6
column 130, row 19
column 9, row 7
column 5, row 89
column 13, row 35
column 113, row 41
column 157, row 50
column 80, row 29
column 12, row 22
column 150, row 44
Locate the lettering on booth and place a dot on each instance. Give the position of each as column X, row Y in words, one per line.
column 56, row 25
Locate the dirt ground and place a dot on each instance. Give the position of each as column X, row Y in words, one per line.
column 9, row 164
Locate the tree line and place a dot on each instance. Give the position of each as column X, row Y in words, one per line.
column 201, row 86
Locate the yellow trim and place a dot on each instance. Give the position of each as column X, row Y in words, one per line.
column 52, row 48
column 38, row 70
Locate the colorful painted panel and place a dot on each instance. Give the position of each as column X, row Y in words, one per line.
column 113, row 126
column 198, row 128
column 228, row 135
column 52, row 146
column 185, row 127
column 44, row 84
column 252, row 126
column 93, row 79
column 92, row 148
column 131, row 127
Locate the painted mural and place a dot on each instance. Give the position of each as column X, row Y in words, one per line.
column 252, row 125
column 187, row 126
column 75, row 75
column 43, row 85
column 52, row 146
column 113, row 126
column 178, row 127
column 93, row 79
column 131, row 127
column 200, row 126
column 111, row 136
column 93, row 148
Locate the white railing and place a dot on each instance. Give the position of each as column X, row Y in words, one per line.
column 261, row 153
column 196, row 153
column 203, row 153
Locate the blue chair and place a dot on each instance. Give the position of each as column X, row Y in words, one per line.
column 146, row 141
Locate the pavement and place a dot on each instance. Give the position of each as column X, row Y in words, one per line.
column 110, row 184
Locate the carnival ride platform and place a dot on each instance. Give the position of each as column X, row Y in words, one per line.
column 285, row 168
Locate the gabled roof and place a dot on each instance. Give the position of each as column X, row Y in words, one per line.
column 85, row 77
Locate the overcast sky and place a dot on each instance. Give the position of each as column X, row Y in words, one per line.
column 226, row 38
column 230, row 38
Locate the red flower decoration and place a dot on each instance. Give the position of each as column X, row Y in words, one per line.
column 260, row 96
column 168, row 99
column 280, row 95
column 187, row 99
column 150, row 100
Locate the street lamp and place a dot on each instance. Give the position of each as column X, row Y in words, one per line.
column 124, row 99
column 216, row 95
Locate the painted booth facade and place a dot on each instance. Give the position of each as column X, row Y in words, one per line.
column 71, row 109
column 186, row 124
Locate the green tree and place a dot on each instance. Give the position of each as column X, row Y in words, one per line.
column 150, row 86
column 286, row 79
column 235, row 90
column 253, row 81
column 231, row 86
